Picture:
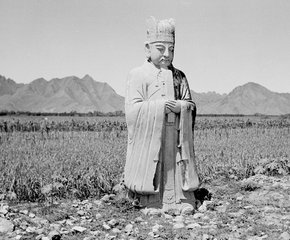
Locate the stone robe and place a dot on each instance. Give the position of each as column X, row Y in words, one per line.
column 160, row 167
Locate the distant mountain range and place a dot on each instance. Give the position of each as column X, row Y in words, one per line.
column 87, row 95
column 59, row 95
column 250, row 98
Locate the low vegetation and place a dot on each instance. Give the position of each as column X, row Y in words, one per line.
column 84, row 157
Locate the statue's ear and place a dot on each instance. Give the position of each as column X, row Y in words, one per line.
column 147, row 50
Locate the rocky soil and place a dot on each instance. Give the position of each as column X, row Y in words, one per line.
column 256, row 208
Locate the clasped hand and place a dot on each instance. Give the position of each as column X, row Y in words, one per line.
column 172, row 106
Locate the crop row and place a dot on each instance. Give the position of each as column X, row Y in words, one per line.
column 108, row 125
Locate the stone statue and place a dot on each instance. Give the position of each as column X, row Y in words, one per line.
column 160, row 170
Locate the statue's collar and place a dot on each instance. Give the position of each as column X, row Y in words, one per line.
column 149, row 66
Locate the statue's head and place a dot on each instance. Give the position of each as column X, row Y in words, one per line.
column 159, row 46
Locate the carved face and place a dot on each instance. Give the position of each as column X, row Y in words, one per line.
column 160, row 53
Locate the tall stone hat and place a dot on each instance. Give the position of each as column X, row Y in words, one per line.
column 160, row 30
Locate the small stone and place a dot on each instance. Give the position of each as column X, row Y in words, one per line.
column 95, row 233
column 64, row 231
column 106, row 226
column 268, row 209
column 156, row 228
column 55, row 226
column 30, row 229
column 69, row 222
column 248, row 207
column 25, row 212
column 198, row 215
column 40, row 221
column 276, row 185
column 109, row 237
column 167, row 216
column 284, row 236
column 89, row 238
column 39, row 237
column 154, row 212
column 212, row 230
column 4, row 209
column 89, row 206
column 98, row 216
column 240, row 198
column 202, row 208
column 178, row 219
column 39, row 231
column 221, row 209
column 138, row 219
column 105, row 198
column 31, row 215
column 18, row 237
column 232, row 176
column 45, row 238
column 11, row 196
column 205, row 218
column 113, row 222
column 98, row 202
column 206, row 237
column 151, row 212
column 81, row 213
column 79, row 229
column 151, row 234
column 129, row 229
column 54, row 235
column 193, row 225
column 116, row 230
column 6, row 226
column 178, row 225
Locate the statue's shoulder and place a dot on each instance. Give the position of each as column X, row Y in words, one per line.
column 138, row 73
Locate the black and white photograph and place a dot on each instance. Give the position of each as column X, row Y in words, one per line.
column 144, row 119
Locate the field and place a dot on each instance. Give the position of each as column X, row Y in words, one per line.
column 84, row 157
column 57, row 169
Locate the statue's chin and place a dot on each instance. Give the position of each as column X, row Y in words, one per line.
column 165, row 65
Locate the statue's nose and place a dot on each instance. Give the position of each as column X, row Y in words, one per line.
column 166, row 52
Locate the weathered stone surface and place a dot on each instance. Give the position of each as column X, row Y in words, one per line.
column 193, row 225
column 178, row 219
column 113, row 222
column 79, row 229
column 116, row 230
column 284, row 236
column 198, row 215
column 6, row 225
column 106, row 226
column 81, row 212
column 54, row 235
column 129, row 229
column 178, row 225
column 4, row 209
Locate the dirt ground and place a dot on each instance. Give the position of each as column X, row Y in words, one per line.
column 251, row 209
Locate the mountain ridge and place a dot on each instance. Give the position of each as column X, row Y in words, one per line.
column 88, row 95
column 250, row 98
column 61, row 95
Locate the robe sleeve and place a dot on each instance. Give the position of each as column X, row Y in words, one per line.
column 145, row 120
column 186, row 95
column 187, row 165
column 187, row 169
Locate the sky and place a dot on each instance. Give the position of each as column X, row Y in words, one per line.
column 220, row 44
